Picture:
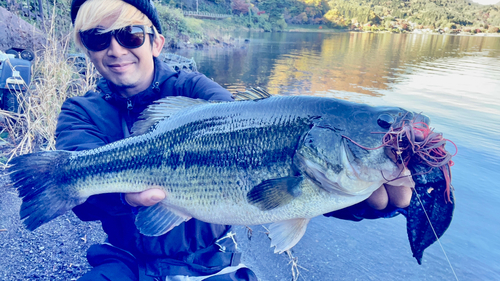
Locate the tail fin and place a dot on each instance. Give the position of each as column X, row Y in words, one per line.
column 42, row 184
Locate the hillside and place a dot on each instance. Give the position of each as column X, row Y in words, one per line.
column 434, row 13
column 348, row 13
column 275, row 15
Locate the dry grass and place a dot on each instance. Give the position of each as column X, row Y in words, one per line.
column 54, row 80
column 293, row 261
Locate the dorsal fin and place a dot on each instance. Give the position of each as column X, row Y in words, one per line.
column 161, row 109
column 251, row 94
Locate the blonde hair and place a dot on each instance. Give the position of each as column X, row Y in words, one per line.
column 92, row 12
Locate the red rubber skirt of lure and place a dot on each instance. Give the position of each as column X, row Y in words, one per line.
column 409, row 139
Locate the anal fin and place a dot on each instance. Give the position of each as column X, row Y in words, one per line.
column 158, row 219
column 285, row 234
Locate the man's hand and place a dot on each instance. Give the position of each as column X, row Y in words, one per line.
column 145, row 198
column 396, row 193
column 398, row 196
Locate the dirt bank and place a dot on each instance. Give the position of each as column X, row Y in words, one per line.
column 55, row 251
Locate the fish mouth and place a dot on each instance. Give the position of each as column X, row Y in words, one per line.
column 395, row 174
column 409, row 137
column 419, row 161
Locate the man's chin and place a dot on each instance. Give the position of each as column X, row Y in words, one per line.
column 125, row 85
column 122, row 82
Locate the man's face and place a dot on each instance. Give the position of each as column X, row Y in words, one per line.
column 130, row 70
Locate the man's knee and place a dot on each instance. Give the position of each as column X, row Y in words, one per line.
column 110, row 271
column 110, row 263
column 242, row 274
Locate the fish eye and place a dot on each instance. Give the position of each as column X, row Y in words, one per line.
column 385, row 121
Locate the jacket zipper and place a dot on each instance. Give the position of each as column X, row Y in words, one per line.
column 156, row 86
column 129, row 105
column 126, row 131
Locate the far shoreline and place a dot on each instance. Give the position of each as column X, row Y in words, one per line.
column 333, row 30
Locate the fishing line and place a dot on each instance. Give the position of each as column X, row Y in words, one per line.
column 437, row 238
column 429, row 148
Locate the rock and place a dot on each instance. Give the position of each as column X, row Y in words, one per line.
column 17, row 33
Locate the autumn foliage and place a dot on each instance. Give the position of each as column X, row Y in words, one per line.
column 240, row 6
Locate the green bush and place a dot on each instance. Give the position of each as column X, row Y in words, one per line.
column 171, row 19
column 260, row 22
column 174, row 23
column 194, row 27
column 268, row 27
column 280, row 25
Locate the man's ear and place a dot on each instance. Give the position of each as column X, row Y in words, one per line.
column 158, row 43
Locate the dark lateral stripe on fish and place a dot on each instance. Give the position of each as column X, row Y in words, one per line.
column 203, row 152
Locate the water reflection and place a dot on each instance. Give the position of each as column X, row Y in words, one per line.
column 297, row 63
column 461, row 74
column 455, row 80
column 455, row 71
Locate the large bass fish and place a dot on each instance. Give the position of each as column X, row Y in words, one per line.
column 280, row 160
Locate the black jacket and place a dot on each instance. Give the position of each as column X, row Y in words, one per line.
column 102, row 117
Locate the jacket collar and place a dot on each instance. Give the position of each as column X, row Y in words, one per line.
column 137, row 103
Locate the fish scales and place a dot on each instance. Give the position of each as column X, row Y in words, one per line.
column 280, row 159
column 242, row 155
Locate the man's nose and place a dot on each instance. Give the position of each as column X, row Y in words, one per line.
column 115, row 49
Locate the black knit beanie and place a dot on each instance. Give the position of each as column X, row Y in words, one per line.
column 145, row 6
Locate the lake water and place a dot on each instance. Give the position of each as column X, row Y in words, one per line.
column 455, row 80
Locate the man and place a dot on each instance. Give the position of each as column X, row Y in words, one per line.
column 122, row 38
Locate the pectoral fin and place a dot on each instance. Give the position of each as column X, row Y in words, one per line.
column 158, row 219
column 273, row 193
column 285, row 234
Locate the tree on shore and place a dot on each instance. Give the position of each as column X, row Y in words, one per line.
column 274, row 15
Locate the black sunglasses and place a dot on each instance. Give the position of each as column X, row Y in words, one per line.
column 131, row 37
